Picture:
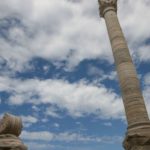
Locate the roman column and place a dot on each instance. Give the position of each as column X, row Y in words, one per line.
column 138, row 132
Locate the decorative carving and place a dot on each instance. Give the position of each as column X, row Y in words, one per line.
column 10, row 129
column 104, row 4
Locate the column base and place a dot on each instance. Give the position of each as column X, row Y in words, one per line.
column 138, row 137
column 137, row 142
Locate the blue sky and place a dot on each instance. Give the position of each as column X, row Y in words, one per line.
column 57, row 71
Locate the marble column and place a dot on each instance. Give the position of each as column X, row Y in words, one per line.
column 138, row 132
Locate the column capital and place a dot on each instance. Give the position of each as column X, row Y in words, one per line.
column 106, row 5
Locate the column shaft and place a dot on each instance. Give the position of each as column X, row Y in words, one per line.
column 132, row 97
column 138, row 133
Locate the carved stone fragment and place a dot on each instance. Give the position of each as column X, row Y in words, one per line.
column 10, row 129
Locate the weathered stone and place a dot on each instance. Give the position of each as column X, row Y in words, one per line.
column 10, row 142
column 138, row 133
column 10, row 124
column 137, row 142
column 10, row 129
column 104, row 4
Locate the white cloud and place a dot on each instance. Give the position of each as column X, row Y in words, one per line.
column 35, row 108
column 56, row 125
column 147, row 79
column 96, row 71
column 50, row 29
column 67, row 137
column 28, row 120
column 67, row 30
column 41, row 135
column 108, row 124
column 63, row 30
column 52, row 111
column 146, row 91
column 37, row 140
column 143, row 53
column 78, row 99
column 39, row 146
column 133, row 18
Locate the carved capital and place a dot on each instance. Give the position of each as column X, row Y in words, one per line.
column 105, row 5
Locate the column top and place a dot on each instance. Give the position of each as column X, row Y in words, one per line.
column 10, row 124
column 105, row 5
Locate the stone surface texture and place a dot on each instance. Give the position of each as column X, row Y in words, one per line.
column 104, row 5
column 137, row 142
column 138, row 133
column 10, row 129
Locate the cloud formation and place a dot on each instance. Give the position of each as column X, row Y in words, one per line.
column 44, row 139
column 70, row 31
column 147, row 91
column 78, row 99
column 53, row 30
column 67, row 137
column 28, row 120
column 66, row 30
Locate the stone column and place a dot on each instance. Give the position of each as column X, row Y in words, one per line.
column 138, row 133
column 10, row 129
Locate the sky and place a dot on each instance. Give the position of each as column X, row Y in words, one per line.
column 57, row 71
